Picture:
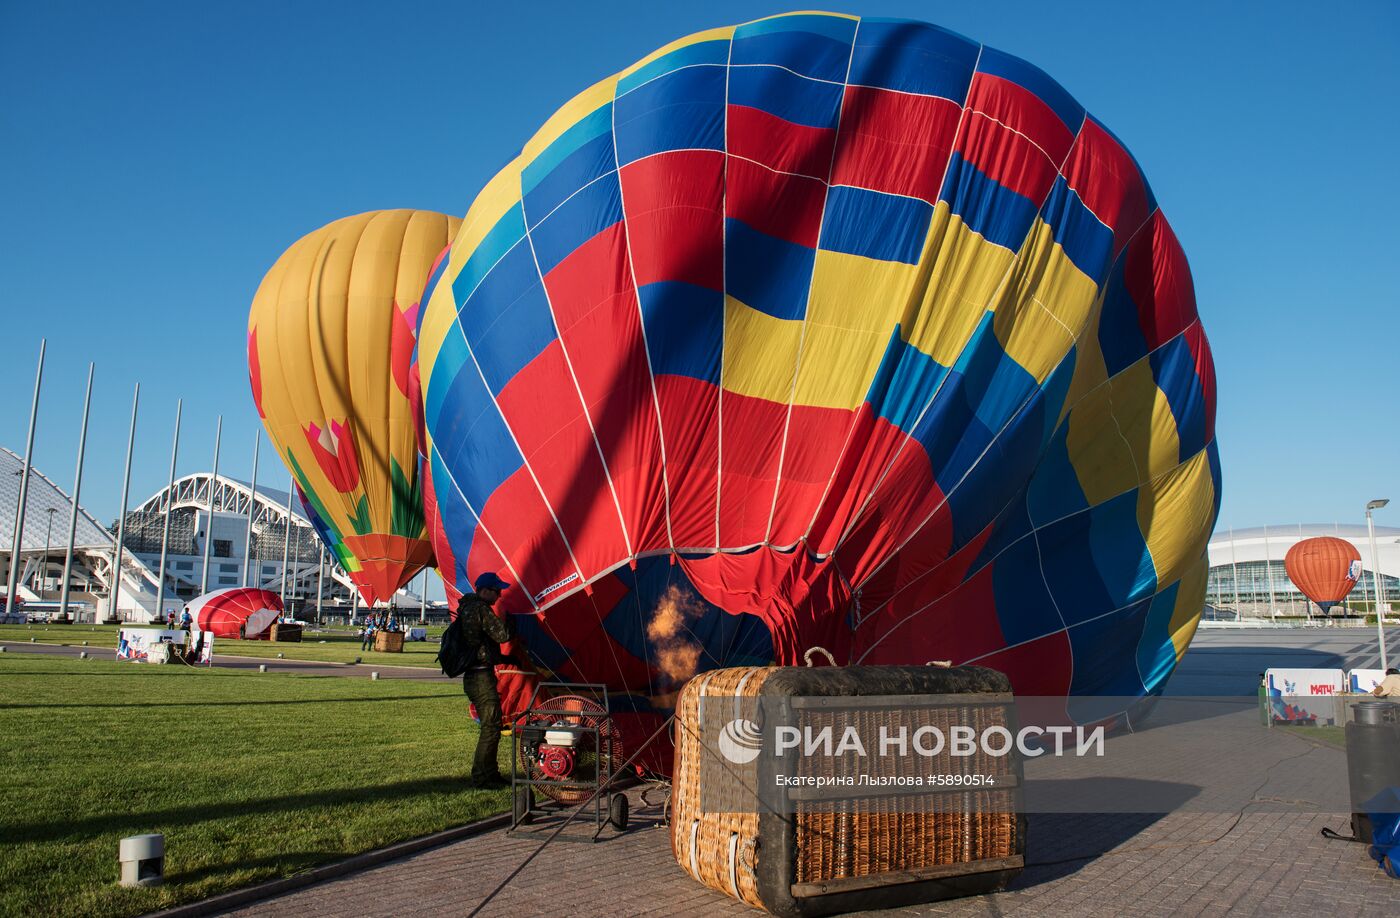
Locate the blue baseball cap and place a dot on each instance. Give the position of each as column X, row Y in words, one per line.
column 489, row 581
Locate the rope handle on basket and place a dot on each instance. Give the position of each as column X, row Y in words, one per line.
column 751, row 865
column 734, row 865
column 831, row 660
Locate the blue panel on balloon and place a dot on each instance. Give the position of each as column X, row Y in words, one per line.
column 1025, row 610
column 683, row 110
column 1098, row 658
column 913, row 57
column 507, row 319
column 1156, row 654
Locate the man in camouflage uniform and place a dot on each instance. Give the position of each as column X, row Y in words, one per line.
column 483, row 631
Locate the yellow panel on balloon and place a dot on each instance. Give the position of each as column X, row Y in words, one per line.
column 960, row 278
column 1046, row 307
column 1174, row 513
column 854, row 306
column 1190, row 602
column 760, row 352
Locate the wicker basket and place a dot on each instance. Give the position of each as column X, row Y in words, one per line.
column 281, row 631
column 874, row 848
column 388, row 641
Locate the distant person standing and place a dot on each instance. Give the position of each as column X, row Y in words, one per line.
column 186, row 619
column 483, row 632
column 368, row 641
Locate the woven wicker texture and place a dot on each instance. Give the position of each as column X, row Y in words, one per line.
column 862, row 837
column 717, row 848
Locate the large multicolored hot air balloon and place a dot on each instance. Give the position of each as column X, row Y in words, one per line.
column 1324, row 569
column 832, row 340
column 330, row 356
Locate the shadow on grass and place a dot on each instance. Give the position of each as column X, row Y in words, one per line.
column 129, row 823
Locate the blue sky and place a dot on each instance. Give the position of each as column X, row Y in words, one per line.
column 158, row 156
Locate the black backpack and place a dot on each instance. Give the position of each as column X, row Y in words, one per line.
column 452, row 654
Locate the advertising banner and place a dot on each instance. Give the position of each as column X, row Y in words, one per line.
column 1303, row 696
column 137, row 643
column 1361, row 681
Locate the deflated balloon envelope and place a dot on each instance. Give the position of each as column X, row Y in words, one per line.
column 829, row 340
column 330, row 348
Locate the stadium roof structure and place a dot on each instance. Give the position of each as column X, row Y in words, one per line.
column 44, row 496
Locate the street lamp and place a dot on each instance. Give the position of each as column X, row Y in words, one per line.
column 1376, row 575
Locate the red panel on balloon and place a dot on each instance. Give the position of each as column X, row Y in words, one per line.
column 780, row 205
column 1039, row 667
column 1159, row 281
column 779, row 144
column 558, row 446
column 519, row 521
column 752, row 431
column 595, row 307
column 814, row 440
column 960, row 626
column 1205, row 372
column 895, row 142
column 1108, row 181
column 674, row 205
column 1018, row 110
column 690, row 437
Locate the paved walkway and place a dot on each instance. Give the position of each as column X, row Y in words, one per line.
column 1244, row 843
column 1081, row 865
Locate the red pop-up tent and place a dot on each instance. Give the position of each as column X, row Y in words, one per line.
column 226, row 613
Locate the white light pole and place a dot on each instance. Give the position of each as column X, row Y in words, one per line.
column 209, row 526
column 1376, row 575
column 121, row 520
column 48, row 545
column 17, row 542
column 252, row 502
column 169, row 502
column 73, row 516
column 287, row 539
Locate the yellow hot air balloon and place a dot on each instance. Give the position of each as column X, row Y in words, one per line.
column 331, row 338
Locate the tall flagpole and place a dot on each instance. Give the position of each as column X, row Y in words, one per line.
column 17, row 544
column 77, row 489
column 169, row 501
column 209, row 527
column 252, row 502
column 121, row 520
column 287, row 540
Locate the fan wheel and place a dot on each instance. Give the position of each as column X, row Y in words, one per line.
column 544, row 764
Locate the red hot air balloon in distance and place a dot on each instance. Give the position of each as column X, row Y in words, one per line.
column 1325, row 569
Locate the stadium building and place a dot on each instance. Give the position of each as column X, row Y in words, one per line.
column 1247, row 576
column 47, row 513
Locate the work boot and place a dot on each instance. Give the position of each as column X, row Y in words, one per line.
column 491, row 782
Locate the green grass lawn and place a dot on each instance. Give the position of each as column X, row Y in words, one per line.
column 334, row 646
column 248, row 776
